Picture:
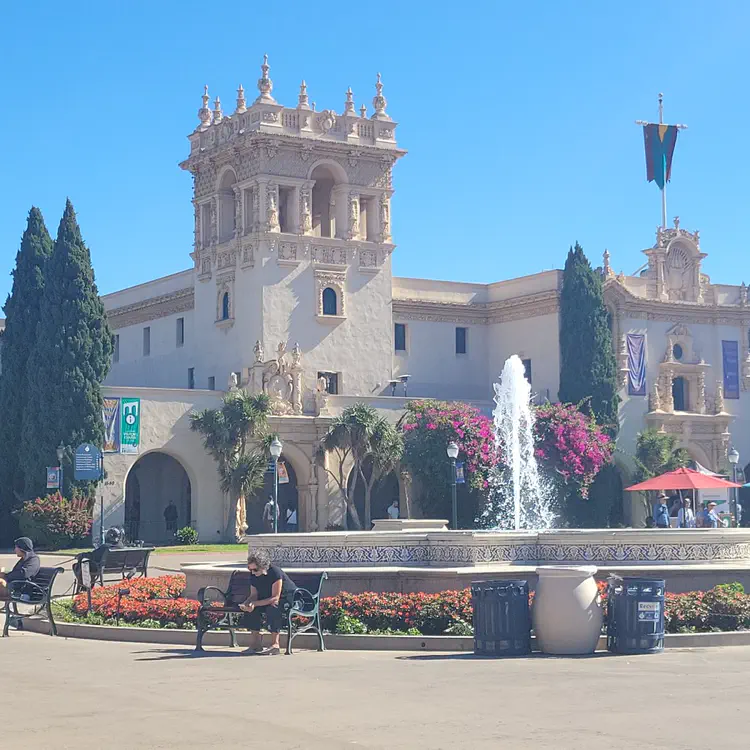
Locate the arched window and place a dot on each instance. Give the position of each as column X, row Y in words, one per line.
column 329, row 301
column 225, row 306
column 679, row 394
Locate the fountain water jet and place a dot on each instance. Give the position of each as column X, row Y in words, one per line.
column 514, row 435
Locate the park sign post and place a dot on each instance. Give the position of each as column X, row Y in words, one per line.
column 130, row 420
column 87, row 463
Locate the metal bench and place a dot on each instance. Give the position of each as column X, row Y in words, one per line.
column 35, row 592
column 302, row 616
column 123, row 562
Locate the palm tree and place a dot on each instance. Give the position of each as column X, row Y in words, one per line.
column 384, row 456
column 233, row 435
column 371, row 443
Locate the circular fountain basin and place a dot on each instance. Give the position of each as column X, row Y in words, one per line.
column 424, row 560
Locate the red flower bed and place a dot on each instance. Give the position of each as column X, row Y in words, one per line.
column 724, row 607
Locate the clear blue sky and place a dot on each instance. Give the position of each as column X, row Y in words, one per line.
column 518, row 119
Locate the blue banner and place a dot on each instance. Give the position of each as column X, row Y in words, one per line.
column 460, row 476
column 636, row 364
column 730, row 356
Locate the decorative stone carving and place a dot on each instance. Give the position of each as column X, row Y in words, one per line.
column 746, row 372
column 288, row 251
column 255, row 218
column 336, row 280
column 212, row 217
column 237, row 212
column 701, row 405
column 233, row 384
column 385, row 218
column 719, row 402
column 248, row 255
column 332, row 255
column 743, row 295
column 353, row 214
column 197, row 228
column 654, row 402
column 226, row 260
column 368, row 259
column 326, row 120
column 622, row 362
column 272, row 207
column 305, row 210
column 279, row 379
column 667, row 392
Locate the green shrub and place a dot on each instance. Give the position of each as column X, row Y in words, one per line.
column 347, row 625
column 459, row 627
column 186, row 535
column 54, row 522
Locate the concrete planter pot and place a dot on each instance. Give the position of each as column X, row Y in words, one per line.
column 567, row 611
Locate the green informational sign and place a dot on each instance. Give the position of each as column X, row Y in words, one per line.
column 130, row 425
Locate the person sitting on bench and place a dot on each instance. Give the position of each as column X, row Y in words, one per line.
column 26, row 568
column 112, row 540
column 271, row 593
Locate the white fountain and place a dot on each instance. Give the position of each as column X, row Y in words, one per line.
column 521, row 498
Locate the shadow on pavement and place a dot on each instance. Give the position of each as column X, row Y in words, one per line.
column 167, row 654
column 481, row 657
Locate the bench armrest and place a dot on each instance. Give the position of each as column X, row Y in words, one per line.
column 202, row 594
column 24, row 586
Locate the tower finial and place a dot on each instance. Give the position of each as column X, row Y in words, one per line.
column 265, row 84
column 303, row 102
column 379, row 102
column 241, row 103
column 218, row 116
column 606, row 268
column 204, row 113
column 349, row 105
column 363, row 111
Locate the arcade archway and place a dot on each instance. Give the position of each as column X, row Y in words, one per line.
column 155, row 483
column 288, row 499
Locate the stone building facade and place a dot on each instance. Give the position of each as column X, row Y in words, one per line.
column 291, row 292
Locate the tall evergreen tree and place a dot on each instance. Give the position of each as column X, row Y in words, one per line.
column 588, row 371
column 588, row 368
column 71, row 358
column 22, row 311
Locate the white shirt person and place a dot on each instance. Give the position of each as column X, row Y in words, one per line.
column 685, row 516
column 393, row 510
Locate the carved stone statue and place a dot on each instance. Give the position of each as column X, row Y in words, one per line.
column 240, row 519
column 296, row 355
column 272, row 209
column 701, row 392
column 353, row 230
column 278, row 378
column 385, row 218
column 258, row 349
column 305, row 210
column 743, row 295
column 233, row 384
column 321, row 396
column 719, row 404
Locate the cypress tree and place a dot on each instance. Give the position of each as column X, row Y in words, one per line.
column 71, row 358
column 588, row 373
column 588, row 368
column 22, row 311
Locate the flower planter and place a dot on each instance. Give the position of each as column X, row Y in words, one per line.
column 567, row 612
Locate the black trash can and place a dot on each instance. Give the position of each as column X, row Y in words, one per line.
column 635, row 615
column 502, row 623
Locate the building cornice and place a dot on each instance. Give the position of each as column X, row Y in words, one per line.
column 478, row 313
column 152, row 308
column 629, row 305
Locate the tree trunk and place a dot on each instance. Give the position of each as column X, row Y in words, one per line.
column 368, row 507
column 350, row 495
column 230, row 532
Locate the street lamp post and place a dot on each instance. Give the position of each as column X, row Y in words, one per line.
column 452, row 451
column 734, row 458
column 276, row 448
column 60, row 456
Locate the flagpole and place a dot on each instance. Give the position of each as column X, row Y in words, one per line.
column 664, row 189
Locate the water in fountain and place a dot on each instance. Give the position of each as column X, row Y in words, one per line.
column 521, row 498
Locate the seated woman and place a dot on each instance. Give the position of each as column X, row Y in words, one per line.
column 112, row 540
column 271, row 594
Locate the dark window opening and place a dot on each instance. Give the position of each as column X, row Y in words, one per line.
column 677, row 351
column 147, row 341
column 329, row 301
column 527, row 369
column 180, row 331
column 679, row 394
column 116, row 352
column 225, row 306
column 399, row 335
column 191, row 377
column 460, row 341
column 212, row 383
column 332, row 381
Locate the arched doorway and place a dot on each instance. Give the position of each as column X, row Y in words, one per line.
column 155, row 482
column 288, row 498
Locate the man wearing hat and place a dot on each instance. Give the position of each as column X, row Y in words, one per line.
column 710, row 518
column 27, row 566
column 661, row 512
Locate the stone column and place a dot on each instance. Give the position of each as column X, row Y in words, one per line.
column 305, row 209
column 197, row 245
column 385, row 218
column 353, row 228
column 272, row 207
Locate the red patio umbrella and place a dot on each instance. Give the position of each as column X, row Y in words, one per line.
column 682, row 479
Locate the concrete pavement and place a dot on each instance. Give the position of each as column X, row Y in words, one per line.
column 85, row 694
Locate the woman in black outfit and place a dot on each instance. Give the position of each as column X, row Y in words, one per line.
column 271, row 594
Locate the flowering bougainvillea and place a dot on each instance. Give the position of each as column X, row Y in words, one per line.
column 428, row 426
column 572, row 444
column 55, row 522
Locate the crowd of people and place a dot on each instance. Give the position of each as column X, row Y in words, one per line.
column 685, row 517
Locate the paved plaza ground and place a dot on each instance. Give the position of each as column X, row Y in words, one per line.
column 87, row 694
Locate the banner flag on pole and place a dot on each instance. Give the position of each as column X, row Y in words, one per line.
column 660, row 141
column 636, row 364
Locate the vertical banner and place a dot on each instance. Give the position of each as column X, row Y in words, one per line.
column 53, row 477
column 636, row 364
column 731, row 360
column 130, row 421
column 111, row 418
column 283, row 473
column 460, row 476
